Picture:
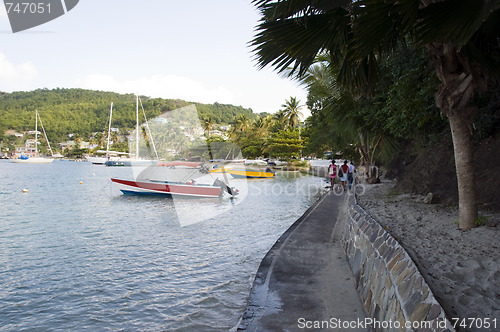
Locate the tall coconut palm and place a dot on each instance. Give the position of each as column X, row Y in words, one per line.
column 280, row 120
column 462, row 38
column 292, row 111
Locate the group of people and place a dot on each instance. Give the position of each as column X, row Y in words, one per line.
column 345, row 173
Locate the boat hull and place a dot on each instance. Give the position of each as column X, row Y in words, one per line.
column 96, row 160
column 167, row 188
column 250, row 174
column 220, row 170
column 129, row 163
column 32, row 160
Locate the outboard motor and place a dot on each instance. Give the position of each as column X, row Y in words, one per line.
column 230, row 190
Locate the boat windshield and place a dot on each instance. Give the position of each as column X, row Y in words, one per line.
column 169, row 172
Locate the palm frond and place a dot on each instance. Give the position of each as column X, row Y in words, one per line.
column 275, row 9
column 295, row 42
column 385, row 23
column 484, row 46
column 453, row 21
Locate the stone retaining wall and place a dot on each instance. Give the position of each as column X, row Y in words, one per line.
column 392, row 289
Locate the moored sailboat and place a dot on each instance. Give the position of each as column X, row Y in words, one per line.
column 108, row 155
column 35, row 157
column 136, row 161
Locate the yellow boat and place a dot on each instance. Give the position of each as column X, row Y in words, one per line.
column 223, row 169
column 248, row 173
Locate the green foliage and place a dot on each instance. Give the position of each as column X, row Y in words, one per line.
column 300, row 163
column 284, row 144
column 409, row 108
column 481, row 220
column 251, row 146
column 359, row 48
column 84, row 112
column 487, row 122
column 222, row 113
column 252, row 151
column 400, row 109
column 76, row 152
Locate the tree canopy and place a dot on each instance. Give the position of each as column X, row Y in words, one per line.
column 462, row 40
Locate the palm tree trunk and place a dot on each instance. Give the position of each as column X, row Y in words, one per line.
column 458, row 85
column 465, row 168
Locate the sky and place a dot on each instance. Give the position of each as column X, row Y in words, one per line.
column 196, row 50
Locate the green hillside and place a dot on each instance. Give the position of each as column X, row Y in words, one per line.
column 82, row 112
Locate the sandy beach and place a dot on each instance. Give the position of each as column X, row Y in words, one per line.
column 461, row 267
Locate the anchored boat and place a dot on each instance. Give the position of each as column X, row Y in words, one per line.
column 171, row 179
column 34, row 156
column 251, row 174
column 244, row 172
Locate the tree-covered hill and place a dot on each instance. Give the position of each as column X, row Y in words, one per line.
column 82, row 112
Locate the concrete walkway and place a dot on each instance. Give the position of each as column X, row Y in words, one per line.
column 304, row 282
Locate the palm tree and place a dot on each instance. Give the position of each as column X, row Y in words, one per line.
column 77, row 139
column 292, row 111
column 280, row 120
column 339, row 117
column 242, row 123
column 207, row 124
column 260, row 126
column 462, row 38
column 99, row 138
column 114, row 137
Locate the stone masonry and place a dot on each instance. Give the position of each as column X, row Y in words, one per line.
column 393, row 291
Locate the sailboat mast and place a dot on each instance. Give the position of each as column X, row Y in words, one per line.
column 150, row 137
column 36, row 132
column 45, row 134
column 136, row 127
column 109, row 128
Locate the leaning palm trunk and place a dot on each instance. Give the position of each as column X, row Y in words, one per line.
column 458, row 84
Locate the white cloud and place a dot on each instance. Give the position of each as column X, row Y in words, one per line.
column 3, row 14
column 12, row 76
column 164, row 86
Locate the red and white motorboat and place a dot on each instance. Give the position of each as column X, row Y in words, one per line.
column 168, row 188
column 169, row 178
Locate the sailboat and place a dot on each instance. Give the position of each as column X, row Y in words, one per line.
column 35, row 157
column 135, row 161
column 96, row 160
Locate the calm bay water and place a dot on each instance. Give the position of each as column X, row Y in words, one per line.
column 82, row 256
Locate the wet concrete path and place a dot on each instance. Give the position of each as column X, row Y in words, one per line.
column 304, row 282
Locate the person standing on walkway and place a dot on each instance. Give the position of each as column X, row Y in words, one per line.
column 332, row 171
column 344, row 169
column 350, row 174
